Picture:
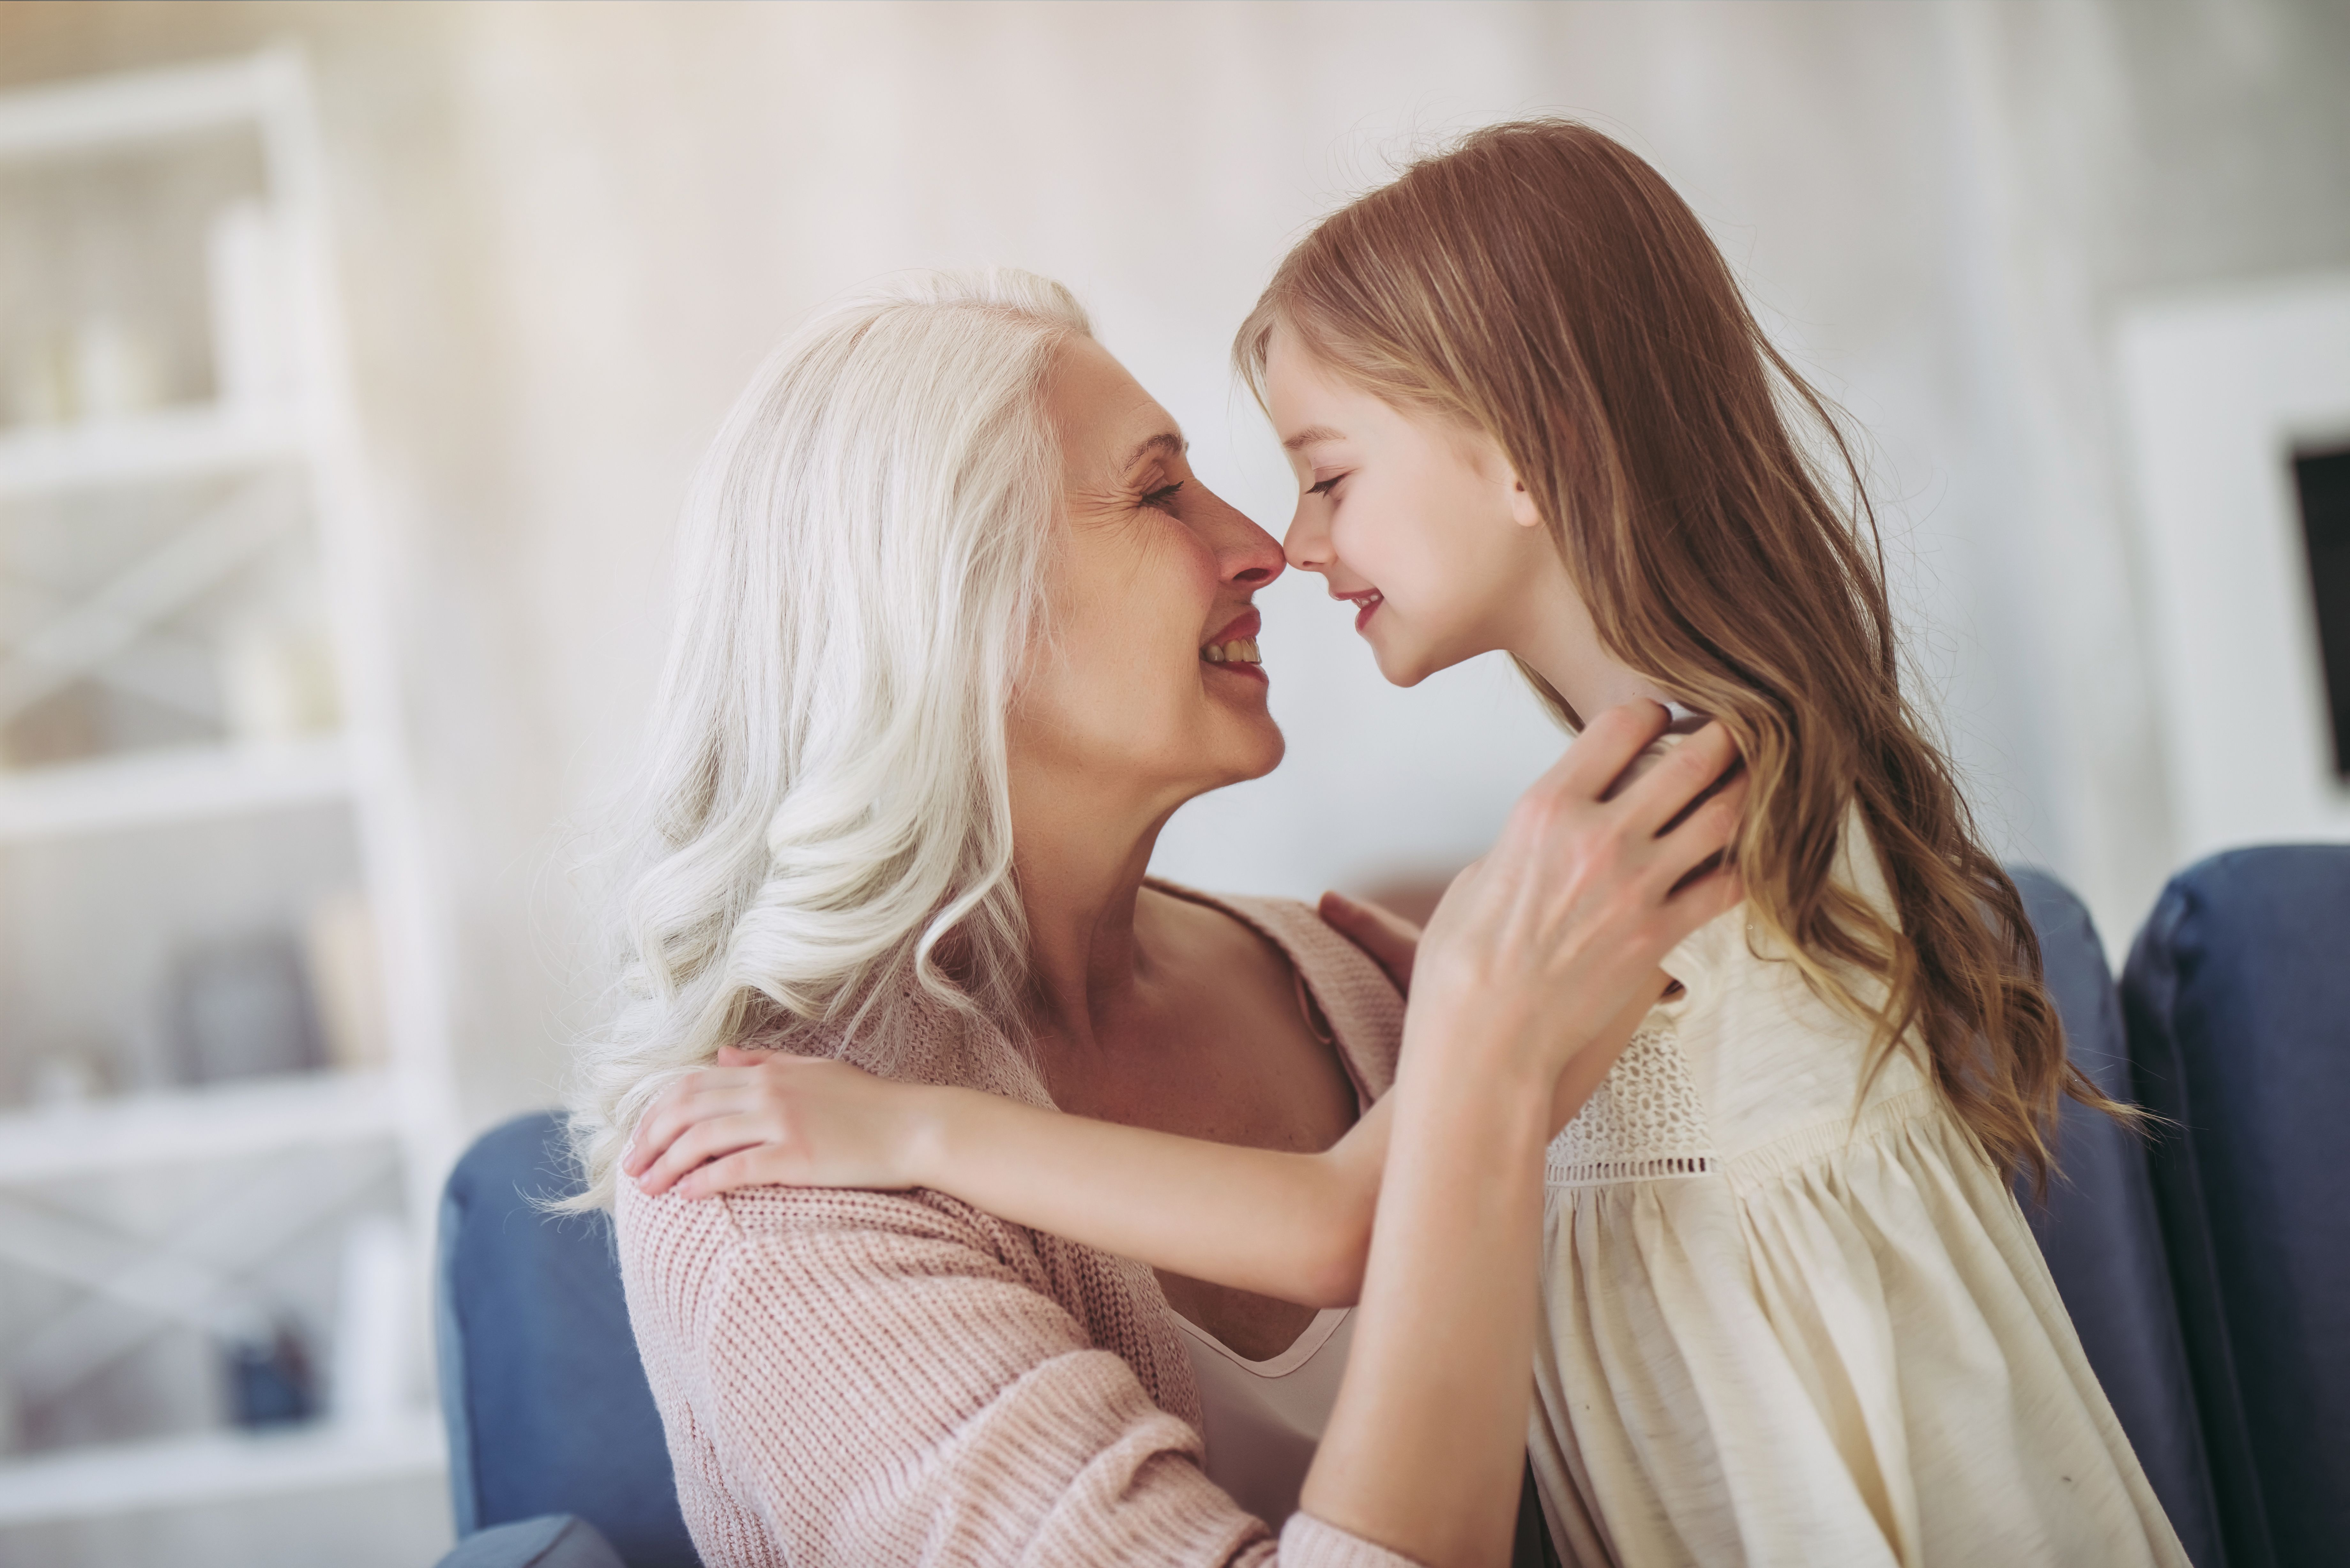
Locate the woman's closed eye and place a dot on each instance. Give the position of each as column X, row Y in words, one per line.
column 1164, row 498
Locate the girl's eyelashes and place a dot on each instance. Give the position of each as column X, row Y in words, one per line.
column 1164, row 498
column 1326, row 487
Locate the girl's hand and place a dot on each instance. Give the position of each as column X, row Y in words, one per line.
column 1391, row 940
column 767, row 1118
column 1556, row 930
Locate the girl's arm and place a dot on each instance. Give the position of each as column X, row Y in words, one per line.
column 1295, row 1226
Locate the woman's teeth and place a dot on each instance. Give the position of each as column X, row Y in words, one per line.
column 1239, row 651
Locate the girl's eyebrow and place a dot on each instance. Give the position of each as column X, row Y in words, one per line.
column 1309, row 435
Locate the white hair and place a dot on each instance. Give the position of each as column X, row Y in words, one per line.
column 825, row 793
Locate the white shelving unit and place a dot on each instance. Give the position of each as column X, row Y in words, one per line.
column 215, row 1467
column 242, row 466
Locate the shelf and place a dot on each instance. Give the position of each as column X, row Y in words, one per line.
column 78, row 116
column 171, row 443
column 227, row 1121
column 214, row 1467
column 142, row 789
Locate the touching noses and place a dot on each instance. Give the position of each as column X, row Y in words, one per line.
column 1307, row 546
column 1246, row 556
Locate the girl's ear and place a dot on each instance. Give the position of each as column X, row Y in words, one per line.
column 1522, row 510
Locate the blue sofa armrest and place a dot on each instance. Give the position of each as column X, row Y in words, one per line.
column 550, row 1541
column 2101, row 1232
column 546, row 1402
column 2237, row 996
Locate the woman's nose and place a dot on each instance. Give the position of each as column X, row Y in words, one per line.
column 1246, row 553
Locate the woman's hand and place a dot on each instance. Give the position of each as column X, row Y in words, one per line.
column 1553, row 932
column 1391, row 940
column 767, row 1118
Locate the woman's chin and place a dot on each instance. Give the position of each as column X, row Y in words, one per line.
column 1251, row 751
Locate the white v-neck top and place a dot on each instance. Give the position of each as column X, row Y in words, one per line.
column 1263, row 1418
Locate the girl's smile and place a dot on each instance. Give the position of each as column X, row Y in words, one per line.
column 1366, row 605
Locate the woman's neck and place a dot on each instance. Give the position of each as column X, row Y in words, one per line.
column 1080, row 871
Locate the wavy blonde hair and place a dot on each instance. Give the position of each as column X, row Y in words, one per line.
column 824, row 798
column 1540, row 283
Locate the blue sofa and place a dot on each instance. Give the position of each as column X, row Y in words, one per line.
column 2238, row 999
column 2207, row 1268
column 557, row 1457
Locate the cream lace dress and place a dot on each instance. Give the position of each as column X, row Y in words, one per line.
column 1781, row 1332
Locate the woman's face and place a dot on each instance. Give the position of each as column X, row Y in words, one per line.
column 1149, row 686
column 1417, row 522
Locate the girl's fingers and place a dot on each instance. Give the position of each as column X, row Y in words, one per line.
column 1391, row 940
column 744, row 1168
column 713, row 1091
column 706, row 1141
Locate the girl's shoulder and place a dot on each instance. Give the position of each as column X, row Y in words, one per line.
column 1767, row 1053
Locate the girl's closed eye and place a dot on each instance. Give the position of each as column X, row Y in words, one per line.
column 1329, row 487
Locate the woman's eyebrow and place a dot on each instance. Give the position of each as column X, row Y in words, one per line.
column 1309, row 435
column 1166, row 442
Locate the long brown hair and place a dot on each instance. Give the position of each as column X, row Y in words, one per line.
column 1541, row 284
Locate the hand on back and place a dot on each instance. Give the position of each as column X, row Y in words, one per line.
column 767, row 1118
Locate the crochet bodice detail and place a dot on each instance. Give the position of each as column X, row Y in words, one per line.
column 1645, row 1121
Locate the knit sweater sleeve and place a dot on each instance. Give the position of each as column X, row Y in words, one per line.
column 857, row 1378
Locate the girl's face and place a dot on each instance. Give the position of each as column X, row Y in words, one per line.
column 1420, row 523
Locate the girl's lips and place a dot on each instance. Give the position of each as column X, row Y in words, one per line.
column 1365, row 604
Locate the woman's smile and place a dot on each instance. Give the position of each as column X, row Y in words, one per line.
column 1233, row 649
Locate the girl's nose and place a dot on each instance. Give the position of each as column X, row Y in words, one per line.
column 1307, row 546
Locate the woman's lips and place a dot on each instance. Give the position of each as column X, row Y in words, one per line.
column 1234, row 649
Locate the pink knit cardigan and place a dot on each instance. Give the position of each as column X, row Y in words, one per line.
column 862, row 1379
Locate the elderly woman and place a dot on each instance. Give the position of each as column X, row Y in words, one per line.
column 959, row 632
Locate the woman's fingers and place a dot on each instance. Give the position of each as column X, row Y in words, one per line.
column 1606, row 746
column 1703, row 898
column 1392, row 941
column 1710, row 829
column 1663, row 792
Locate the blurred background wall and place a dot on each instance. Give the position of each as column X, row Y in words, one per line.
column 564, row 235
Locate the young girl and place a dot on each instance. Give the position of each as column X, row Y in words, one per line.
column 1793, row 1313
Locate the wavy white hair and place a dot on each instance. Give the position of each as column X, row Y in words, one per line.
column 824, row 796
